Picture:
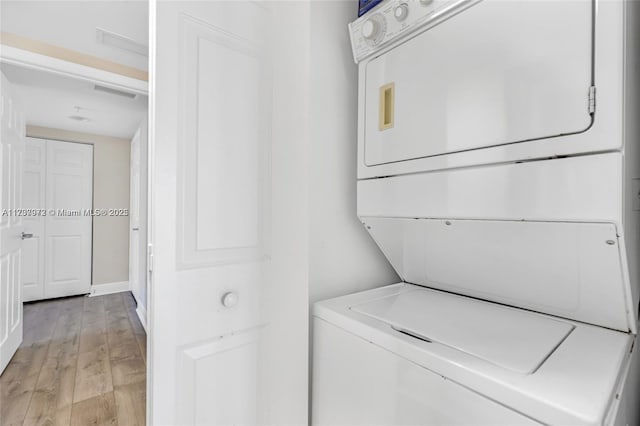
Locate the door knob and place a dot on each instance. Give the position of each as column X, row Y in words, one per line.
column 229, row 299
column 24, row 236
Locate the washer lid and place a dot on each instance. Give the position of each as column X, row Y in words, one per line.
column 510, row 338
column 570, row 270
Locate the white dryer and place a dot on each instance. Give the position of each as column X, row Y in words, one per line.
column 451, row 83
column 499, row 173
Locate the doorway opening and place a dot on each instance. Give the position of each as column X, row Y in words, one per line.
column 74, row 223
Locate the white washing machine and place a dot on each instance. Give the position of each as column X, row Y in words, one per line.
column 410, row 355
column 498, row 171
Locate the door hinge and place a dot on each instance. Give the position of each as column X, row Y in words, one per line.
column 150, row 258
column 592, row 99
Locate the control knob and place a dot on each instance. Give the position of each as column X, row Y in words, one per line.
column 370, row 29
column 401, row 12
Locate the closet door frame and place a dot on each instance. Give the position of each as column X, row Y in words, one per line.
column 33, row 196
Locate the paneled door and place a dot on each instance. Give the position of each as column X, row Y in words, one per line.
column 11, row 223
column 69, row 200
column 210, row 124
column 138, row 220
column 33, row 197
column 134, row 218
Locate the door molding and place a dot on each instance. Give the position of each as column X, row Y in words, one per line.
column 198, row 151
column 37, row 61
column 220, row 350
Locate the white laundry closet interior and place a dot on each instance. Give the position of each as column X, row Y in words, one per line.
column 422, row 212
column 498, row 173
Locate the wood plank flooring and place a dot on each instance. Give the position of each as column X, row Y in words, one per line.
column 82, row 362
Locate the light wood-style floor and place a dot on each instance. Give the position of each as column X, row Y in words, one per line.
column 82, row 362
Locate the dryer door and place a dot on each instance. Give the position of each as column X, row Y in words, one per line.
column 500, row 72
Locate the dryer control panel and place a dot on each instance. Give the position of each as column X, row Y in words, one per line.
column 394, row 19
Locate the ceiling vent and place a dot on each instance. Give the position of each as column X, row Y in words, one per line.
column 119, row 41
column 116, row 92
column 79, row 118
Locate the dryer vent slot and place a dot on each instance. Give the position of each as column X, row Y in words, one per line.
column 410, row 334
column 387, row 95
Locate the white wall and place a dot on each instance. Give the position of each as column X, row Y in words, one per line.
column 285, row 296
column 319, row 247
column 342, row 257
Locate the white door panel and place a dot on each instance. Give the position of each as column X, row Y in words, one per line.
column 33, row 197
column 134, row 218
column 497, row 73
column 224, row 392
column 11, row 223
column 69, row 185
column 138, row 219
column 211, row 106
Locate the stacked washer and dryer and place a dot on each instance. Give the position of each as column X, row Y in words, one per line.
column 499, row 173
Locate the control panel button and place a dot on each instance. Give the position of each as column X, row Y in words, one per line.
column 393, row 19
column 370, row 29
column 401, row 12
column 229, row 299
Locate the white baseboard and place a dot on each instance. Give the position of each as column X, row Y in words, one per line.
column 142, row 316
column 109, row 288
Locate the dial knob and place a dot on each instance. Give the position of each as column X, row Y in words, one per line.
column 370, row 29
column 229, row 299
column 401, row 12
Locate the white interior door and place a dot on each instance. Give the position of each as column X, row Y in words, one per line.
column 11, row 223
column 211, row 107
column 69, row 199
column 33, row 197
column 134, row 218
